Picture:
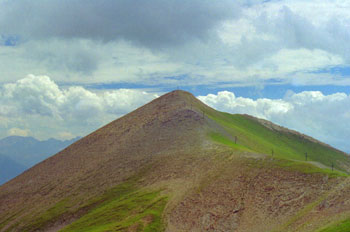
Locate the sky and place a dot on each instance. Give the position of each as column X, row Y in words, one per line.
column 67, row 67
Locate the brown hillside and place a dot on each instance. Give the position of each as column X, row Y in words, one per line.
column 164, row 146
column 109, row 155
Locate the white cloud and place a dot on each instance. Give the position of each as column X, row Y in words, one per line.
column 18, row 132
column 65, row 135
column 289, row 61
column 43, row 109
column 325, row 117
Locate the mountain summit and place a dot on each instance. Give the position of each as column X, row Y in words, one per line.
column 175, row 164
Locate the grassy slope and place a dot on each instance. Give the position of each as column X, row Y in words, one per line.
column 343, row 226
column 124, row 206
column 256, row 137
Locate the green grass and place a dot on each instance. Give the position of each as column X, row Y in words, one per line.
column 342, row 226
column 307, row 168
column 117, row 209
column 219, row 138
column 255, row 137
column 50, row 215
column 122, row 207
column 298, row 166
column 7, row 219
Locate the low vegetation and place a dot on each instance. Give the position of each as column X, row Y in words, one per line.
column 118, row 209
column 122, row 208
column 342, row 226
column 252, row 135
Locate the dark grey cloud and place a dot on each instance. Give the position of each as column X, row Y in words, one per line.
column 152, row 23
column 76, row 56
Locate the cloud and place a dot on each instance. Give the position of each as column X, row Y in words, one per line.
column 293, row 30
column 76, row 56
column 207, row 42
column 18, row 132
column 36, row 104
column 284, row 38
column 325, row 117
column 85, row 61
column 153, row 24
column 65, row 135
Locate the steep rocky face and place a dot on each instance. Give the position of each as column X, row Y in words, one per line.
column 174, row 165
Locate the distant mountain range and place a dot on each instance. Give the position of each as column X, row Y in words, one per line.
column 9, row 168
column 19, row 153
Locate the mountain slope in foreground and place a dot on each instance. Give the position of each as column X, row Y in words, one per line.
column 176, row 164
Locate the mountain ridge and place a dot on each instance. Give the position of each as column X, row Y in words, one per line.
column 20, row 153
column 9, row 169
column 277, row 127
column 29, row 150
column 16, row 138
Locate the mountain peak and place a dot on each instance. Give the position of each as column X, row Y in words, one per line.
column 177, row 100
column 177, row 96
column 179, row 92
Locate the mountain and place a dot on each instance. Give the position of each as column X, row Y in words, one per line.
column 9, row 169
column 21, row 153
column 29, row 151
column 176, row 164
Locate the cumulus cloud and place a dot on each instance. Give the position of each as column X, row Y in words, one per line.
column 325, row 117
column 38, row 106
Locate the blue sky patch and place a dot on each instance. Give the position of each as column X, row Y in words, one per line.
column 337, row 70
column 9, row 40
column 272, row 91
